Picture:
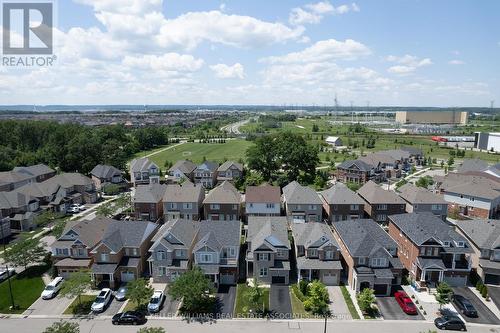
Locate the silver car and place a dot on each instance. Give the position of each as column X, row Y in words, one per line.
column 120, row 294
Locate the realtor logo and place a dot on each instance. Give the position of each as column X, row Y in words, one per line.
column 28, row 33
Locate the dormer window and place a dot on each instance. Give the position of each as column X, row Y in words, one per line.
column 460, row 244
column 446, row 243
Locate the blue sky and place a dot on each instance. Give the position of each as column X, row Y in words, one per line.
column 391, row 52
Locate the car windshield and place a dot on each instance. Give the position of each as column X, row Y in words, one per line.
column 99, row 299
column 49, row 288
column 155, row 300
column 408, row 302
column 122, row 290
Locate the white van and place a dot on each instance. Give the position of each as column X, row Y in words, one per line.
column 52, row 288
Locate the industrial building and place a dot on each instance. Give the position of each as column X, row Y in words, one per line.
column 487, row 141
column 432, row 117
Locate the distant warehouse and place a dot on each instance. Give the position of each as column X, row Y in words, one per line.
column 432, row 117
column 487, row 141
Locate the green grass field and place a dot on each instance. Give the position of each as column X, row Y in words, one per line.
column 82, row 308
column 26, row 288
column 242, row 306
column 231, row 150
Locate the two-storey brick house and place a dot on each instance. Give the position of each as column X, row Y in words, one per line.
column 263, row 200
column 380, row 203
column 431, row 250
column 317, row 253
column 420, row 200
column 268, row 251
column 369, row 256
column 183, row 201
column 302, row 203
column 172, row 250
column 357, row 171
column 148, row 204
column 230, row 171
column 340, row 203
column 223, row 203
column 182, row 170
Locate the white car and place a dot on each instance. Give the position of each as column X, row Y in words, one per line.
column 4, row 275
column 77, row 208
column 156, row 301
column 52, row 288
column 102, row 300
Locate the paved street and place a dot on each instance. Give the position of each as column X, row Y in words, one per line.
column 485, row 315
column 279, row 300
column 25, row 325
column 51, row 307
column 390, row 310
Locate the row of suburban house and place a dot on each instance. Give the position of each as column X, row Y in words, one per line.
column 359, row 252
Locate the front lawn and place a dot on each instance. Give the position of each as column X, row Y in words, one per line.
column 26, row 288
column 83, row 308
column 243, row 306
column 348, row 301
column 297, row 305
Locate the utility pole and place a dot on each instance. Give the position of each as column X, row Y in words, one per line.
column 13, row 306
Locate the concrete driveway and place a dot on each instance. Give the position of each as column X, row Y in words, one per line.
column 51, row 307
column 485, row 316
column 279, row 301
column 494, row 293
column 226, row 296
column 113, row 308
column 390, row 310
column 169, row 308
column 338, row 306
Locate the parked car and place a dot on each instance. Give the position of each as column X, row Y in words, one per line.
column 4, row 275
column 73, row 210
column 156, row 301
column 120, row 294
column 450, row 323
column 405, row 303
column 129, row 317
column 52, row 288
column 465, row 306
column 77, row 207
column 102, row 300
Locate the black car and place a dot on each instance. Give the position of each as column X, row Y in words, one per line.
column 464, row 306
column 450, row 323
column 129, row 318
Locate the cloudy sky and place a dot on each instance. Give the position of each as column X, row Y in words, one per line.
column 391, row 52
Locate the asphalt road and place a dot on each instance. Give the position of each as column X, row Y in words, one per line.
column 279, row 300
column 112, row 309
column 390, row 310
column 485, row 316
column 37, row 325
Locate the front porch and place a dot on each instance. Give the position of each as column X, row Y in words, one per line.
column 104, row 275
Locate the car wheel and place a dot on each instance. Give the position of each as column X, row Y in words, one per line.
column 114, row 322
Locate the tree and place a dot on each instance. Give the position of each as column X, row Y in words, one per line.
column 58, row 228
column 254, row 295
column 46, row 217
column 315, row 128
column 139, row 291
column 194, row 288
column 365, row 299
column 317, row 298
column 77, row 283
column 123, row 202
column 63, row 327
column 451, row 161
column 443, row 294
column 105, row 210
column 25, row 252
column 151, row 330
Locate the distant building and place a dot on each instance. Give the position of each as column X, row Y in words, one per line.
column 143, row 171
column 487, row 141
column 432, row 117
column 334, row 141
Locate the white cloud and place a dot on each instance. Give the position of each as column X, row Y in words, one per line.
column 324, row 50
column 406, row 64
column 456, row 62
column 313, row 13
column 124, row 6
column 223, row 71
column 172, row 62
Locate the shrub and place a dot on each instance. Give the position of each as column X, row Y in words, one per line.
column 303, row 287
column 479, row 286
column 484, row 291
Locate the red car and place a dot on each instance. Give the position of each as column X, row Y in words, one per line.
column 405, row 303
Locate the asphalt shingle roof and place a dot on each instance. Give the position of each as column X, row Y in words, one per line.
column 185, row 192
column 269, row 230
column 182, row 230
column 374, row 194
column 105, row 171
column 418, row 195
column 340, row 194
column 361, row 165
column 141, row 164
column 34, row 170
column 225, row 193
column 184, row 166
column 151, row 193
column 313, row 234
column 226, row 165
column 264, row 193
column 218, row 234
column 294, row 193
column 484, row 233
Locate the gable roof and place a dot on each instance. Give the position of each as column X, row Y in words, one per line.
column 340, row 194
column 182, row 230
column 361, row 165
column 313, row 234
column 225, row 193
column 374, row 194
column 8, row 177
column 294, row 193
column 419, row 195
column 14, row 199
column 89, row 232
column 226, row 165
column 363, row 237
column 184, row 166
column 208, row 165
column 218, row 234
column 269, row 230
column 421, row 227
column 119, row 234
column 34, row 170
column 484, row 233
column 150, row 193
column 141, row 164
column 472, row 165
column 264, row 193
column 105, row 171
column 413, row 151
column 185, row 192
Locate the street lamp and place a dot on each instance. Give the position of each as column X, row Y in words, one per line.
column 326, row 313
column 13, row 306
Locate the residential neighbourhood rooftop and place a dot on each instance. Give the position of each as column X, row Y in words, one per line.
column 340, row 194
column 151, row 193
column 484, row 233
column 185, row 192
column 225, row 193
column 271, row 231
column 294, row 193
column 374, row 194
column 184, row 166
column 418, row 195
column 264, row 193
column 105, row 171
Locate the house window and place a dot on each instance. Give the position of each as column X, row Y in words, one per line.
column 381, row 217
column 446, row 244
column 496, row 255
column 361, row 260
column 313, row 252
column 263, row 256
column 215, row 206
column 263, row 272
column 329, row 255
column 205, row 257
column 173, row 205
column 188, row 205
column 81, row 252
column 162, row 271
column 297, row 207
column 461, row 244
column 269, row 205
column 62, row 252
column 485, row 253
column 235, row 207
column 354, row 207
column 378, row 262
column 104, row 257
column 161, row 255
column 382, row 207
column 436, row 207
column 312, row 207
column 232, row 252
column 251, row 205
column 179, row 253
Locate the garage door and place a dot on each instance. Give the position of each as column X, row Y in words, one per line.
column 380, row 289
column 492, row 279
column 330, row 279
column 278, row 279
column 456, row 281
column 227, row 279
column 127, row 276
